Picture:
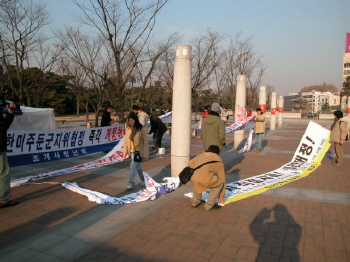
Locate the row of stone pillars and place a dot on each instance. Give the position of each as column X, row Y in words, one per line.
column 181, row 111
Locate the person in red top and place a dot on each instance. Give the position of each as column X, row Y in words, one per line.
column 206, row 111
column 249, row 113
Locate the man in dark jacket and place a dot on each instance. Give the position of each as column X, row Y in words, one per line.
column 213, row 128
column 158, row 128
column 5, row 178
column 106, row 119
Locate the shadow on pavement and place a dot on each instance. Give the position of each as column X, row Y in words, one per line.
column 33, row 227
column 278, row 239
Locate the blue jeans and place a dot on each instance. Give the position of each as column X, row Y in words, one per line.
column 135, row 168
column 259, row 139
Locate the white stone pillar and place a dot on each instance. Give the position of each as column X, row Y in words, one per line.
column 273, row 111
column 181, row 118
column 240, row 108
column 280, row 105
column 262, row 99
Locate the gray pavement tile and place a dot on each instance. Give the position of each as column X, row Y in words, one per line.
column 43, row 241
column 16, row 254
column 45, row 258
column 70, row 249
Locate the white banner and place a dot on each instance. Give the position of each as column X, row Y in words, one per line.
column 114, row 156
column 248, row 143
column 308, row 156
column 247, row 123
column 167, row 117
column 152, row 190
column 36, row 146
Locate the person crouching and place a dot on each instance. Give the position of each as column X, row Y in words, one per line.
column 211, row 176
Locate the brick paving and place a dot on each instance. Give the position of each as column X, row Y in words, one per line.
column 310, row 222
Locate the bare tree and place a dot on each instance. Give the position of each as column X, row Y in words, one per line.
column 149, row 61
column 127, row 27
column 269, row 90
column 86, row 53
column 324, row 87
column 206, row 57
column 240, row 59
column 21, row 22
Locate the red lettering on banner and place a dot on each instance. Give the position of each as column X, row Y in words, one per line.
column 273, row 111
column 280, row 110
column 348, row 110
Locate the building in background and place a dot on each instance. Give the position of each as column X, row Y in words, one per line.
column 346, row 68
column 313, row 102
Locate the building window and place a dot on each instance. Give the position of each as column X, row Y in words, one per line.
column 346, row 72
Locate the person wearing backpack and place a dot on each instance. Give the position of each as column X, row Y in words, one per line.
column 211, row 176
column 338, row 135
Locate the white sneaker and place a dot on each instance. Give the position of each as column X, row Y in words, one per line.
column 142, row 183
column 129, row 186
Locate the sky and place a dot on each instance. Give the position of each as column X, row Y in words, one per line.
column 301, row 42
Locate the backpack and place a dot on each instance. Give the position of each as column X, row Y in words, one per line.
column 347, row 130
column 186, row 173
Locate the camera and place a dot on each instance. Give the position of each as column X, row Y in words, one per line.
column 3, row 102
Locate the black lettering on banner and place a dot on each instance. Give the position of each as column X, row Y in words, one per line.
column 66, row 139
column 74, row 138
column 30, row 141
column 300, row 159
column 81, row 138
column 9, row 142
column 308, row 138
column 254, row 181
column 305, row 149
column 58, row 140
column 274, row 174
column 49, row 140
column 98, row 135
column 20, row 141
column 265, row 177
column 92, row 136
column 40, row 141
column 292, row 165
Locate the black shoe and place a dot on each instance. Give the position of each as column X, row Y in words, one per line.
column 197, row 205
column 215, row 207
column 8, row 204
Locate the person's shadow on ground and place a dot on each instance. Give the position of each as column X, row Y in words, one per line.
column 278, row 239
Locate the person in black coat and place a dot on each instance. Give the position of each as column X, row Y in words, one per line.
column 5, row 178
column 106, row 119
column 158, row 128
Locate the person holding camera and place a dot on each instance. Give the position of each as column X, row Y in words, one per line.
column 5, row 178
column 259, row 129
column 132, row 148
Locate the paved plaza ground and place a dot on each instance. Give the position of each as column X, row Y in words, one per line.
column 306, row 220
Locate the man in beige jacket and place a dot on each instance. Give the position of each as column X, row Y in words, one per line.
column 144, row 119
column 211, row 176
column 338, row 134
column 259, row 129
